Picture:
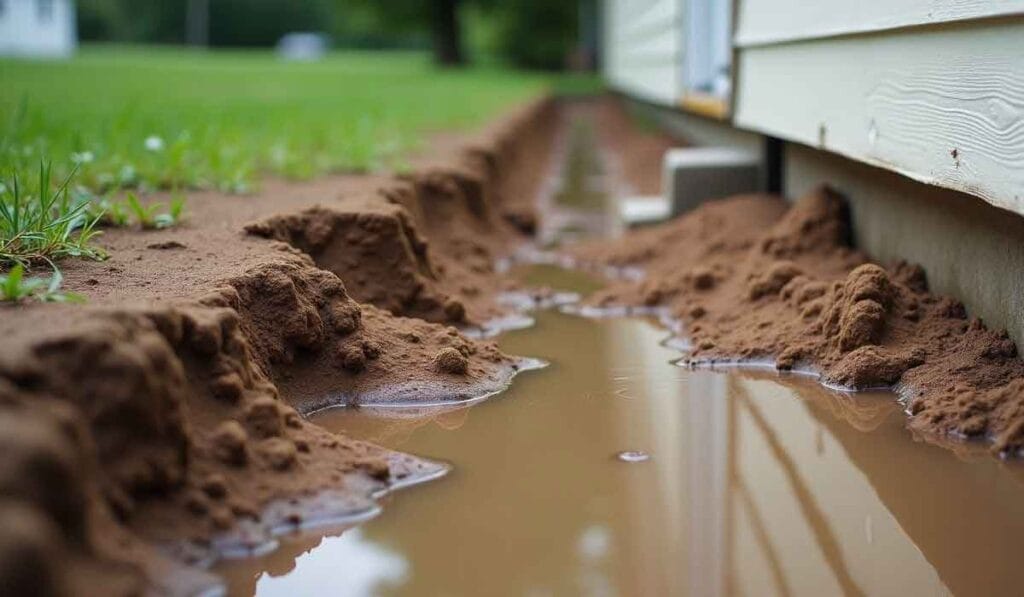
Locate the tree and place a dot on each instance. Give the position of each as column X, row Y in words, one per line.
column 447, row 30
column 409, row 18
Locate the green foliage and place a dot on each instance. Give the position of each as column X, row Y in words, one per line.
column 41, row 224
column 110, row 213
column 250, row 24
column 150, row 119
column 537, row 34
column 14, row 287
column 528, row 33
column 149, row 216
column 232, row 22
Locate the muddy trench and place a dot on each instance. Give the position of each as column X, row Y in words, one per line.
column 620, row 468
column 471, row 378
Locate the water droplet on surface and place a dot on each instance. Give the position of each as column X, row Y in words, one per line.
column 633, row 456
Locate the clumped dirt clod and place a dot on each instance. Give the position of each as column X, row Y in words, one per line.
column 450, row 360
column 753, row 278
column 168, row 411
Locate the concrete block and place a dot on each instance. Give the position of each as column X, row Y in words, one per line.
column 692, row 175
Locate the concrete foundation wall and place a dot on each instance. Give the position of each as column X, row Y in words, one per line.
column 970, row 249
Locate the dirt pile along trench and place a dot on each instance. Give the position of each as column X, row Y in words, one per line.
column 756, row 279
column 168, row 410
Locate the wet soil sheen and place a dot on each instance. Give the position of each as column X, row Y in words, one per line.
column 753, row 486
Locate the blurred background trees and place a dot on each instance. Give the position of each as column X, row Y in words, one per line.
column 540, row 34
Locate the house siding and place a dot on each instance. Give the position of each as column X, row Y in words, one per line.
column 644, row 48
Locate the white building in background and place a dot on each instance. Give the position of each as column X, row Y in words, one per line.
column 39, row 28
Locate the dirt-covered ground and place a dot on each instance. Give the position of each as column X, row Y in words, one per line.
column 164, row 423
column 758, row 280
column 169, row 410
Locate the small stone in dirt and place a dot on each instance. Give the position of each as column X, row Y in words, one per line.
column 450, row 360
column 279, row 453
column 229, row 441
column 264, row 416
column 353, row 359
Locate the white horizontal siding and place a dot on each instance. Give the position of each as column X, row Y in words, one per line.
column 643, row 48
column 941, row 105
column 772, row 21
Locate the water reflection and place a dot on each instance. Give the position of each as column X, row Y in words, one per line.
column 344, row 565
column 754, row 487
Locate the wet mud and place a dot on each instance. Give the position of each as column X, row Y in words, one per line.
column 163, row 425
column 751, row 481
column 281, row 363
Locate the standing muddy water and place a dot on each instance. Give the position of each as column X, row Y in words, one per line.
column 754, row 485
column 616, row 472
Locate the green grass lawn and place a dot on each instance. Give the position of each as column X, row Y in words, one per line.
column 76, row 135
column 170, row 117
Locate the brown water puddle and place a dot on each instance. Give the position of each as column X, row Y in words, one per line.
column 753, row 486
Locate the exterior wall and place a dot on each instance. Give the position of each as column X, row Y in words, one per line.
column 762, row 22
column 643, row 45
column 44, row 28
column 914, row 109
column 942, row 104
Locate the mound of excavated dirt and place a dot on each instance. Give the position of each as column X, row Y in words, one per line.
column 425, row 245
column 755, row 279
column 168, row 410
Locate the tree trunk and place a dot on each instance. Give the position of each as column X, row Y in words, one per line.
column 197, row 23
column 447, row 33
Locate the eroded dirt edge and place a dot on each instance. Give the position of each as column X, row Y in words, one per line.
column 161, row 425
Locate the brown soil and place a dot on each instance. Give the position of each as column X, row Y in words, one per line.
column 753, row 278
column 168, row 410
column 638, row 150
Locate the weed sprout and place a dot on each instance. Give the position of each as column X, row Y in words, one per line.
column 15, row 287
column 42, row 224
